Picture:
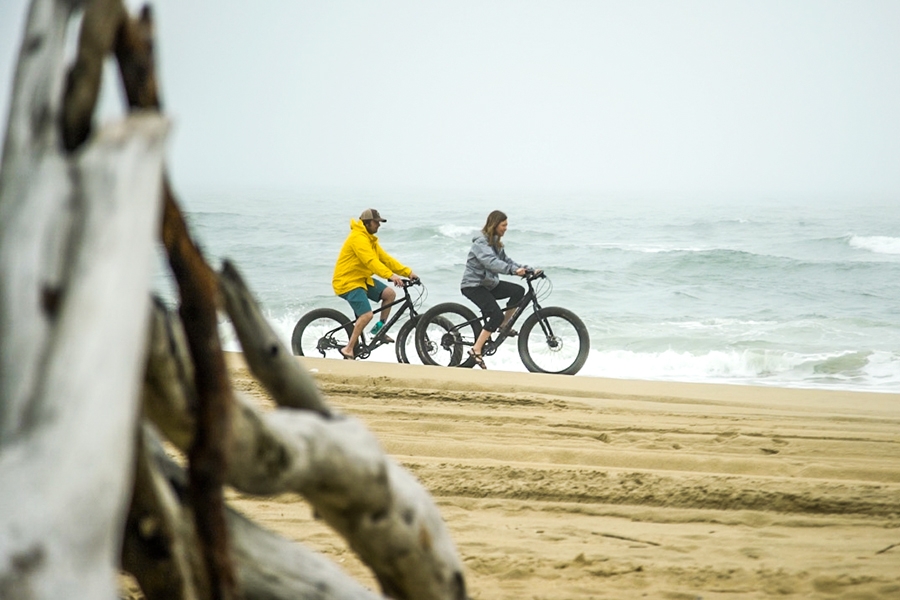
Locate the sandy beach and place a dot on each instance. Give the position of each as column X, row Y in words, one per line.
column 558, row 487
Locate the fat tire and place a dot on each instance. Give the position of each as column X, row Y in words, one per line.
column 439, row 316
column 531, row 327
column 339, row 319
column 408, row 328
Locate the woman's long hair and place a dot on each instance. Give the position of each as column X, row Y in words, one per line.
column 490, row 228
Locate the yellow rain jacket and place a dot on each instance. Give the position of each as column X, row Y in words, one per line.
column 362, row 256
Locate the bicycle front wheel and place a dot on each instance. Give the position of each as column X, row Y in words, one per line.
column 321, row 332
column 444, row 334
column 554, row 340
column 405, row 343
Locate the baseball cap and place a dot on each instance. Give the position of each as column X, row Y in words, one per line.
column 370, row 214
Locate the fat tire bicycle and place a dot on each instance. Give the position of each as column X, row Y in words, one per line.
column 325, row 331
column 551, row 340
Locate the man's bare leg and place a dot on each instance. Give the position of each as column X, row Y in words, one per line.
column 361, row 323
column 387, row 296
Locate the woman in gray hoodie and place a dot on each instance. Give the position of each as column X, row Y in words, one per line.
column 481, row 282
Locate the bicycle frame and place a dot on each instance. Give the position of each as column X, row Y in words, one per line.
column 364, row 348
column 529, row 299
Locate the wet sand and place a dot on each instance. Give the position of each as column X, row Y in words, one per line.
column 574, row 487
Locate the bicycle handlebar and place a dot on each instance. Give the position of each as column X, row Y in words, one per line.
column 532, row 274
column 410, row 282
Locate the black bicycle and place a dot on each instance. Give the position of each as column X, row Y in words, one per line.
column 326, row 330
column 551, row 340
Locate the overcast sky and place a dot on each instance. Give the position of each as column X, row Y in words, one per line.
column 680, row 96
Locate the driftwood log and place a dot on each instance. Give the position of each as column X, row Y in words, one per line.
column 76, row 256
column 332, row 460
column 93, row 373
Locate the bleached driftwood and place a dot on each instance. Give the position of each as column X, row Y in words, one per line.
column 160, row 545
column 76, row 254
column 66, row 466
column 76, row 257
column 160, row 541
column 34, row 188
column 265, row 354
column 333, row 461
column 383, row 512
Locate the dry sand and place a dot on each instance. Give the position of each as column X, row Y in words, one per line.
column 574, row 487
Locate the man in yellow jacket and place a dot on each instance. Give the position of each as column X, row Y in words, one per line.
column 361, row 257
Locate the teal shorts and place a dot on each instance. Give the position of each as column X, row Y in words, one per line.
column 359, row 297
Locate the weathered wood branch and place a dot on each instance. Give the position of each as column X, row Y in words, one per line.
column 268, row 566
column 160, row 543
column 198, row 289
column 76, row 255
column 208, row 458
column 34, row 195
column 384, row 514
column 99, row 28
column 266, row 356
column 58, row 536
column 106, row 24
column 137, row 61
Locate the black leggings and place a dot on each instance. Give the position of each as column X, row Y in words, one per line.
column 486, row 300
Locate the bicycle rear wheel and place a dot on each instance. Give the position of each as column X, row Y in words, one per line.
column 311, row 335
column 554, row 340
column 444, row 333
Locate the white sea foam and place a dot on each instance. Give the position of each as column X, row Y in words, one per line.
column 759, row 367
column 879, row 244
column 458, row 231
column 847, row 369
column 669, row 364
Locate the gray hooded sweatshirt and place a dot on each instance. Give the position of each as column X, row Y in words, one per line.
column 485, row 264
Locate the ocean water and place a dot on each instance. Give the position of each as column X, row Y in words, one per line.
column 761, row 291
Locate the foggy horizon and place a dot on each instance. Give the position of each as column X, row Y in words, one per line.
column 619, row 98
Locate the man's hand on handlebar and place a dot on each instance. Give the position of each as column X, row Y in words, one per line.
column 398, row 281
